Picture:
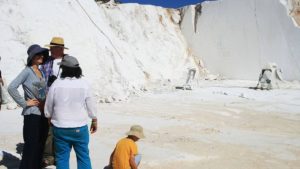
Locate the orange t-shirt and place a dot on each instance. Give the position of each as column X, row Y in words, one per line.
column 124, row 149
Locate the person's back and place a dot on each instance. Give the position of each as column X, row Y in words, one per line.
column 70, row 111
column 125, row 148
column 125, row 154
column 69, row 103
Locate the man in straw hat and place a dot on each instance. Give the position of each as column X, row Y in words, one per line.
column 125, row 154
column 51, row 67
column 51, row 71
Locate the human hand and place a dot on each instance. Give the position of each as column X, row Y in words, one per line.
column 32, row 102
column 94, row 127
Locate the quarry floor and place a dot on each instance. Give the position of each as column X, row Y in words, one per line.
column 212, row 127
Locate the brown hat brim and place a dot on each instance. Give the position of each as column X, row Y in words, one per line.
column 56, row 45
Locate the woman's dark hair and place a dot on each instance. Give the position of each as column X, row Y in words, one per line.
column 70, row 72
column 29, row 63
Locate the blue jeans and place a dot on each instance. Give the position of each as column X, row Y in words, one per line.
column 65, row 139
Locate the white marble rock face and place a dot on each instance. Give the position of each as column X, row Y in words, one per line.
column 237, row 38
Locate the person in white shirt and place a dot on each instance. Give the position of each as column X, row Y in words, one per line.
column 69, row 105
column 51, row 71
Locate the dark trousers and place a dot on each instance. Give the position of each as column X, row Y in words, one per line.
column 35, row 130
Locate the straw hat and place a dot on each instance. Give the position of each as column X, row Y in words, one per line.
column 136, row 130
column 57, row 41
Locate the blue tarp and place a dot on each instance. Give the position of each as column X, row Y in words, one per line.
column 165, row 3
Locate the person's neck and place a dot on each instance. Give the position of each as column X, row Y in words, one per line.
column 132, row 138
column 35, row 67
column 58, row 57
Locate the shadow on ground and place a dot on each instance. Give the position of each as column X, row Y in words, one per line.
column 9, row 160
column 19, row 148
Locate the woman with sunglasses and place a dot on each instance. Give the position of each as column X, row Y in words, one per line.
column 35, row 127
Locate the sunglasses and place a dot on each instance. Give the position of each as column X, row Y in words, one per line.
column 39, row 55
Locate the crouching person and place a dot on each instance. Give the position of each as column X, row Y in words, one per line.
column 69, row 103
column 125, row 154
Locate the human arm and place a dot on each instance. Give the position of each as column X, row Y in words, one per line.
column 14, row 93
column 94, row 126
column 91, row 104
column 132, row 163
column 92, row 110
column 111, row 158
column 48, row 109
column 133, row 153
